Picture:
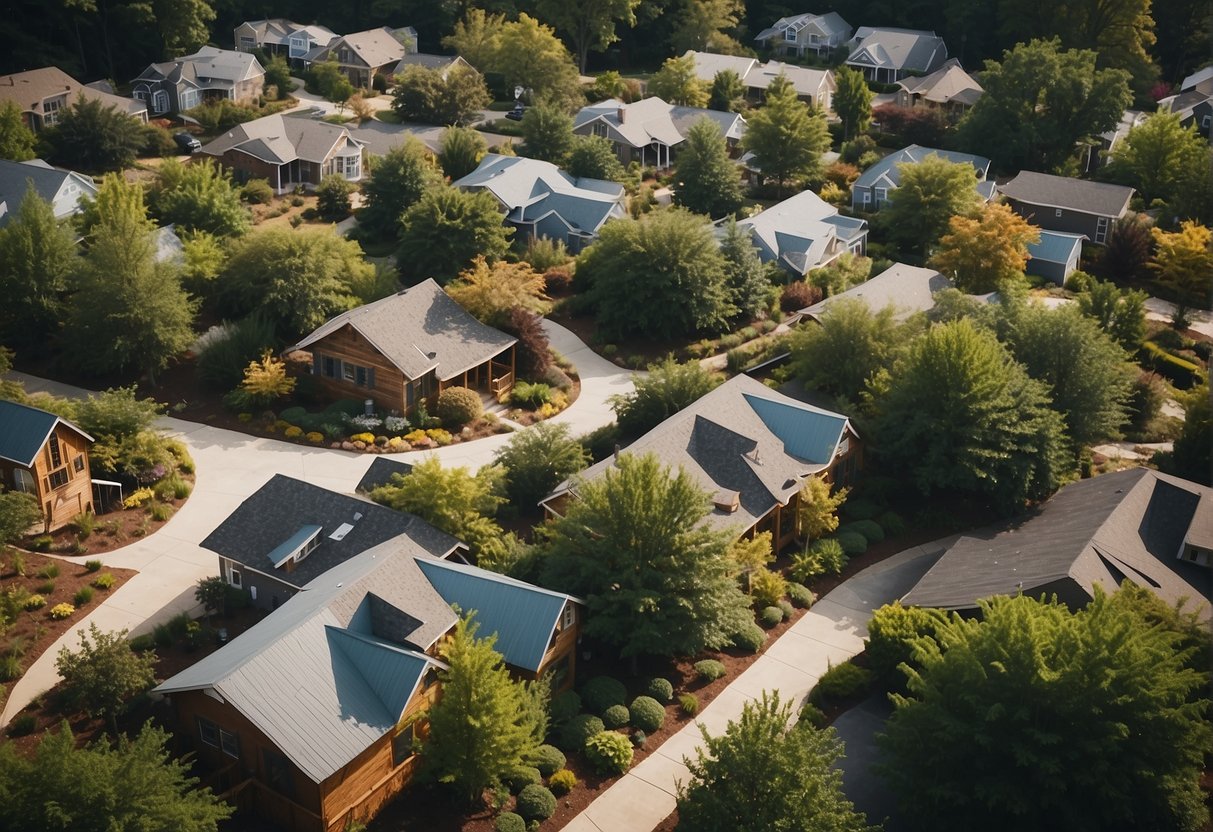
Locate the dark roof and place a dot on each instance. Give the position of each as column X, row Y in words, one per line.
column 380, row 472
column 1099, row 198
column 280, row 509
column 24, row 430
column 1129, row 524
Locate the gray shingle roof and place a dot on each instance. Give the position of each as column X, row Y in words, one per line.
column 830, row 23
column 948, row 83
column 908, row 289
column 376, row 47
column 24, row 430
column 1101, row 199
column 380, row 472
column 281, row 140
column 418, row 330
column 803, row 231
column 276, row 512
column 15, row 178
column 653, row 120
column 887, row 168
column 902, row 49
column 218, row 67
column 1129, row 524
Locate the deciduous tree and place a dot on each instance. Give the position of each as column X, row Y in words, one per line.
column 18, row 514
column 786, row 136
column 444, row 231
column 477, row 38
column 667, row 389
column 1164, row 160
column 529, row 55
column 930, row 194
column 594, row 157
column 676, row 83
column 105, row 673
column 852, row 101
column 704, row 26
column 17, row 142
column 547, row 134
column 199, row 196
column 37, row 259
column 1190, row 457
column 490, row 292
column 1121, row 313
column 817, row 512
column 727, row 93
column 429, row 95
column 706, row 180
column 397, row 180
column 1183, row 261
column 981, row 253
column 537, row 460
column 589, row 24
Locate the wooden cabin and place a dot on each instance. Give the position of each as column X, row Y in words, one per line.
column 46, row 456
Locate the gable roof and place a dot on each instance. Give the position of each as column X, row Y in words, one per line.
column 948, row 83
column 258, row 532
column 24, row 430
column 1101, row 199
column 1201, row 79
column 900, row 49
column 49, row 182
column 807, row 81
column 1185, row 103
column 280, row 140
column 1129, row 524
column 442, row 62
column 830, row 23
column 800, row 231
column 649, row 120
column 887, row 167
column 420, row 329
column 380, row 472
column 29, row 89
column 209, row 66
column 376, row 47
column 1056, row 247
column 908, row 289
column 741, row 438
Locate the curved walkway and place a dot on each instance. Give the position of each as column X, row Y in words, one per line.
column 230, row 467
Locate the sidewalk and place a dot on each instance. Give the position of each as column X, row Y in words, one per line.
column 828, row 634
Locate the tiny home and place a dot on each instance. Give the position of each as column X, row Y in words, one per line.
column 46, row 456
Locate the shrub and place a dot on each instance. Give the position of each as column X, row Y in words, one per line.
column 143, row 643
column 647, row 714
column 639, row 738
column 34, row 602
column 609, row 752
column 533, row 396
column 157, row 141
column 221, row 364
column 1182, row 373
column 62, row 611
column 564, row 707
column 562, row 781
column 293, row 432
column 51, row 570
column 333, row 197
column 83, row 595
column 556, row 279
column 257, row 192
column 579, row 729
column 41, row 543
column 852, row 543
column 160, row 511
column 892, row 633
column 689, row 703
column 315, row 437
column 660, row 689
column 536, row 803
column 23, row 725
column 798, row 295
column 859, row 509
column 823, row 557
column 46, row 587
column 105, row 580
column 813, row 715
column 458, row 406
column 801, row 596
column 509, row 822
column 615, row 716
column 710, row 669
column 767, row 587
column 519, row 777
column 770, row 616
column 840, row 682
column 870, row 530
column 750, row 638
column 602, row 692
column 549, row 759
column 786, row 608
column 93, row 565
column 85, row 522
column 892, row 523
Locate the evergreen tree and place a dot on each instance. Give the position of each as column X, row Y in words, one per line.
column 17, row 142
column 93, row 138
column 852, row 101
column 462, row 150
column 397, row 180
column 1121, row 313
column 537, row 460
column 666, row 389
column 727, row 93
column 547, row 134
column 745, row 276
column 786, row 136
column 37, row 260
column 706, row 180
column 444, row 231
column 199, row 196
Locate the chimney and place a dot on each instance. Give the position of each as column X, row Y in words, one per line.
column 623, row 114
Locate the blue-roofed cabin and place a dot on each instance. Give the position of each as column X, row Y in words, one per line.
column 47, row 457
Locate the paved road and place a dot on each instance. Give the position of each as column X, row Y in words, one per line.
column 857, row 729
column 230, row 467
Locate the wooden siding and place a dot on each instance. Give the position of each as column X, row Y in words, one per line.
column 348, row 344
column 59, row 505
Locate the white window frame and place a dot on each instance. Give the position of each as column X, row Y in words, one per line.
column 52, row 108
column 570, row 616
column 789, row 35
column 1101, row 229
column 160, row 101
column 190, row 99
column 227, row 737
column 349, row 166
column 867, row 197
column 1058, row 212
column 233, row 576
column 881, row 195
column 247, row 44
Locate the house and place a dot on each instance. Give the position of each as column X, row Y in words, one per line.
column 948, row 88
column 801, row 34
column 443, row 63
column 1193, row 106
column 63, row 189
column 752, row 449
column 873, row 187
column 1200, row 80
column 288, row 152
column 408, row 347
column 1096, row 156
column 209, row 74
column 365, row 56
column 1055, row 256
column 542, row 201
column 311, row 719
column 289, row 532
column 649, row 131
column 888, row 55
column 1074, row 206
column 46, row 456
column 1139, row 525
column 380, row 472
column 41, row 94
column 816, row 86
column 279, row 36
column 908, row 289
column 804, row 232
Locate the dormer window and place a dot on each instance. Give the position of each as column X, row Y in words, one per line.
column 296, row 547
column 789, row 34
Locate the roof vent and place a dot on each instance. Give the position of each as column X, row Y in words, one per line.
column 341, row 531
column 726, row 500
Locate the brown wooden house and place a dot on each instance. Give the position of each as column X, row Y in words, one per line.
column 46, row 456
column 310, row 718
column 752, row 449
column 408, row 347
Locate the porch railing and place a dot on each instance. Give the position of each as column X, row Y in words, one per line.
column 500, row 383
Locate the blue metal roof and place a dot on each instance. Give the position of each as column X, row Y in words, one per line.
column 806, row 432
column 24, row 430
column 1055, row 247
column 390, row 673
column 522, row 616
column 280, row 553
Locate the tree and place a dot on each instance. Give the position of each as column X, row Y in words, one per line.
column 1184, row 263
column 1088, row 377
column 92, row 137
column 594, row 157
column 444, row 231
column 199, row 196
column 490, row 292
column 850, row 345
column 547, row 133
column 847, row 271
column 1164, row 160
column 184, row 25
column 1121, row 313
column 128, row 311
column 397, row 180
column 18, row 514
column 1039, row 102
column 786, row 136
column 765, row 773
column 661, row 272
column 1126, row 257
column 817, row 514
column 37, row 259
column 295, row 279
column 477, row 38
column 701, row 26
column 667, row 389
column 278, row 76
column 481, row 727
column 589, row 25
column 745, row 276
column 706, row 180
column 103, row 675
column 452, row 500
column 325, row 77
column 727, row 93
column 852, row 101
column 17, row 142
column 91, row 786
column 529, row 55
column 656, row 579
column 957, row 412
column 930, row 194
column 462, row 150
column 1093, row 713
column 333, row 197
column 981, row 253
column 1190, row 457
column 215, row 594
column 1118, row 33
column 676, row 83
column 537, row 460
column 435, row 96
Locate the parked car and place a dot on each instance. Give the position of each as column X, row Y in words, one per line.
column 516, row 113
column 317, row 112
column 187, row 143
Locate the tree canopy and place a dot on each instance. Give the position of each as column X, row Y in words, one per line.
column 446, row 229
column 931, row 192
column 746, row 280
column 852, row 101
column 461, row 151
column 1183, row 262
column 38, row 257
column 490, row 292
column 981, row 253
column 706, row 180
column 594, row 157
column 529, row 55
column 1121, row 313
column 666, row 389
column 449, row 97
column 199, row 196
column 727, row 93
column 93, row 137
column 397, row 179
column 17, row 142
column 1164, row 160
column 676, row 83
column 537, row 460
column 786, row 136
column 105, row 673
column 589, row 24
column 547, row 133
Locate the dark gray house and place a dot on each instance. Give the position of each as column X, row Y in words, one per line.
column 1073, row 206
column 1137, row 525
column 290, row 532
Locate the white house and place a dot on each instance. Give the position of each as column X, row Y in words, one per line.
column 805, row 33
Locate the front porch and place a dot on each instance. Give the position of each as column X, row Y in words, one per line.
column 494, row 377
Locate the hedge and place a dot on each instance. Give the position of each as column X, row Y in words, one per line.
column 840, row 682
column 1181, row 372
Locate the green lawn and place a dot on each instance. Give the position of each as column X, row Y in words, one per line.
column 388, row 117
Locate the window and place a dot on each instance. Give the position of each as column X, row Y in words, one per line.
column 348, row 166
column 233, row 577
column 50, row 110
column 403, row 743
column 882, row 195
column 328, row 367
column 1057, row 213
column 160, row 101
column 348, row 371
column 247, row 44
column 570, row 616
column 57, row 479
column 189, row 99
column 229, row 743
column 208, row 732
column 789, row 34
column 1204, row 122
column 78, row 463
column 867, row 197
column 23, row 480
column 56, row 455
column 1101, row 230
column 278, row 772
